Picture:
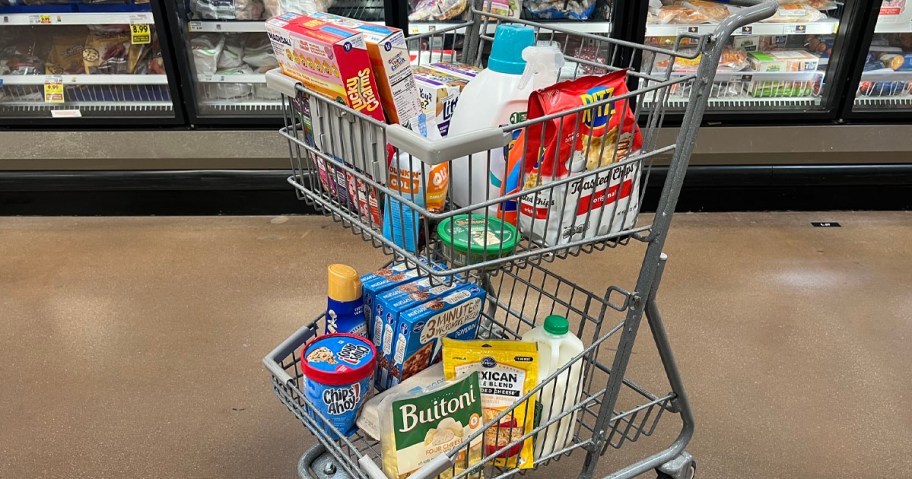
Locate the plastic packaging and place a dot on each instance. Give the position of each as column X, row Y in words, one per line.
column 556, row 347
column 492, row 99
column 427, row 10
column 560, row 9
column 417, row 426
column 473, row 239
column 429, row 379
column 796, row 12
column 345, row 305
column 337, row 371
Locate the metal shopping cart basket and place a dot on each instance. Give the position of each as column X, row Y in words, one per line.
column 340, row 157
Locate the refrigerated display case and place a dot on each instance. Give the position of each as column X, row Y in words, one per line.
column 773, row 69
column 225, row 53
column 578, row 16
column 884, row 85
column 68, row 62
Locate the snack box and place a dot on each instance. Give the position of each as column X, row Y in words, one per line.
column 329, row 59
column 783, row 61
column 389, row 57
column 420, row 330
column 381, row 280
column 388, row 307
column 438, row 93
column 460, row 70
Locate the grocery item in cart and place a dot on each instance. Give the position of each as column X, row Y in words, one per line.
column 492, row 99
column 381, row 280
column 392, row 69
column 390, row 305
column 427, row 10
column 559, row 9
column 507, row 370
column 337, row 371
column 418, row 334
column 438, row 93
column 783, row 61
column 329, row 59
column 369, row 420
column 556, row 347
column 460, row 70
column 594, row 204
column 345, row 305
column 474, row 239
column 418, row 426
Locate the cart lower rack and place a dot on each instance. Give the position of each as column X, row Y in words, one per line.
column 340, row 164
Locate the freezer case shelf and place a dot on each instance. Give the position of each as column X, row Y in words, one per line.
column 823, row 27
column 76, row 18
column 750, row 90
column 89, row 94
column 884, row 89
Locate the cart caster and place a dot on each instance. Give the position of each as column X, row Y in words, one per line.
column 682, row 467
column 317, row 463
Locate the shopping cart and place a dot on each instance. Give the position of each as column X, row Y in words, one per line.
column 339, row 159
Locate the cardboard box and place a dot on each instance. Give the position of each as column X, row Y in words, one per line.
column 783, row 61
column 390, row 304
column 329, row 59
column 461, row 70
column 438, row 92
column 419, row 332
column 392, row 69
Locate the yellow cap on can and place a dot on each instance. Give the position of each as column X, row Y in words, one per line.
column 344, row 283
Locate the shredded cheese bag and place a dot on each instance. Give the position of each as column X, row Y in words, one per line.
column 507, row 370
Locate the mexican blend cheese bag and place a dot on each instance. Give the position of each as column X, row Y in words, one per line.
column 593, row 203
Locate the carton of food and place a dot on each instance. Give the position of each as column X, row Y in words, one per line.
column 329, row 59
column 389, row 306
column 438, row 93
column 420, row 330
column 389, row 58
column 461, row 70
column 783, row 61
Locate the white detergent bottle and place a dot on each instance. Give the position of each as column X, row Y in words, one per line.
column 556, row 347
column 492, row 99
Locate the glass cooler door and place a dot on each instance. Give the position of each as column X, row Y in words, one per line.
column 82, row 59
column 225, row 44
column 886, row 79
column 778, row 65
column 588, row 16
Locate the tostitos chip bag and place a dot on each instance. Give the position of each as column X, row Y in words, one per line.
column 601, row 199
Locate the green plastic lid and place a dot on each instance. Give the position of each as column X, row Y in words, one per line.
column 470, row 234
column 557, row 325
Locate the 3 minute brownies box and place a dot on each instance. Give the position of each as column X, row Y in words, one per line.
column 388, row 308
column 420, row 330
column 392, row 69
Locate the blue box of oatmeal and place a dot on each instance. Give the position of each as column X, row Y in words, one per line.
column 418, row 334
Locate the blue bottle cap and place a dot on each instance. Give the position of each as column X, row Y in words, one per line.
column 506, row 53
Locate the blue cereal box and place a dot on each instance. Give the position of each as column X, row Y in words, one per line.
column 420, row 330
column 389, row 305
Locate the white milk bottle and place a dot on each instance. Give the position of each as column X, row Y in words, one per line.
column 556, row 347
column 492, row 99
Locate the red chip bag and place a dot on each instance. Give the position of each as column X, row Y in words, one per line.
column 583, row 144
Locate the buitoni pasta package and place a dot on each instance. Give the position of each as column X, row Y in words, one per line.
column 507, row 370
column 580, row 145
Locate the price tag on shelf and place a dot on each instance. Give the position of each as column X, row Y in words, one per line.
column 43, row 19
column 66, row 114
column 799, row 29
column 205, row 78
column 195, row 26
column 53, row 89
column 140, row 34
column 748, row 30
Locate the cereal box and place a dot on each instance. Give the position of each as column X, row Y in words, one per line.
column 438, row 92
column 329, row 59
column 390, row 304
column 461, row 70
column 420, row 330
column 389, row 58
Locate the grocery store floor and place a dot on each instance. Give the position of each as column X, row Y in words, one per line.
column 131, row 347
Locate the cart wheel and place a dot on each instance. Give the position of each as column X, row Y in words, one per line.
column 682, row 467
column 317, row 463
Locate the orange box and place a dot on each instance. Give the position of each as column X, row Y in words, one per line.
column 329, row 59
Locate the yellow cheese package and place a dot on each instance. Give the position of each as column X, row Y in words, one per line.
column 507, row 370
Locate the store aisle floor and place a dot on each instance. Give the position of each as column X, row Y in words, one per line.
column 131, row 347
